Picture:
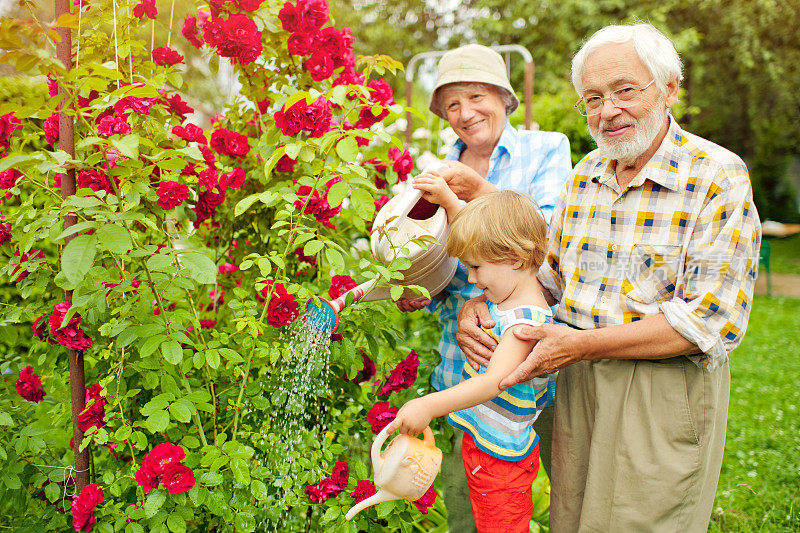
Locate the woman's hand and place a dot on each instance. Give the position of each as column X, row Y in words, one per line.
column 435, row 190
column 412, row 418
column 412, row 304
column 464, row 181
column 476, row 344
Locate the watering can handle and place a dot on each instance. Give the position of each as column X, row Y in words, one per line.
column 414, row 195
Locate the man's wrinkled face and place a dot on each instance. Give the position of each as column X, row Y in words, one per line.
column 623, row 134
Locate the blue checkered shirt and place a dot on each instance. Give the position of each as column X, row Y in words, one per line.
column 533, row 162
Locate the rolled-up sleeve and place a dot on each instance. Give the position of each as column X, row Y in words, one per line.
column 549, row 272
column 713, row 297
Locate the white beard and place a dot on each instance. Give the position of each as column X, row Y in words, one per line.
column 645, row 131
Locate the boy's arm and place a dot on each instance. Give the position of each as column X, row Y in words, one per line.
column 416, row 414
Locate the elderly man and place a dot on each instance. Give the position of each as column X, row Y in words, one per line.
column 652, row 257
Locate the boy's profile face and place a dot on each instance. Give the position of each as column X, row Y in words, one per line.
column 496, row 280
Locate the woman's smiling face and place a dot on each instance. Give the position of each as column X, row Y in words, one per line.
column 476, row 112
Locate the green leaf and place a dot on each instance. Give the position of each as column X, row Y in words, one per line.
column 180, row 412
column 52, row 492
column 78, row 257
column 158, row 421
column 113, row 238
column 338, row 191
column 154, row 502
column 5, row 419
column 244, row 204
column 313, row 247
column 200, row 267
column 241, row 472
column 76, row 228
column 211, row 478
column 128, row 145
column 258, row 489
column 212, row 358
column 12, row 161
column 347, row 149
column 396, row 291
column 244, row 522
column 172, row 352
column 176, row 523
column 151, row 344
column 362, row 203
column 335, row 259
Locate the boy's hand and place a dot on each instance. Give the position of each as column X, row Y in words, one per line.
column 435, row 190
column 412, row 418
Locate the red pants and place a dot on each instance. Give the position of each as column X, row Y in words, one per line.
column 499, row 491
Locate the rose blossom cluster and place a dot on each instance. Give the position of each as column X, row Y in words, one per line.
column 340, row 284
column 145, row 8
column 70, row 335
column 327, row 48
column 330, row 487
column 282, row 308
column 316, row 204
column 367, row 372
column 166, row 57
column 230, row 143
column 171, row 194
column 300, row 116
column 236, row 37
column 83, row 506
column 8, row 125
column 29, row 385
column 163, row 465
column 380, row 415
column 403, row 163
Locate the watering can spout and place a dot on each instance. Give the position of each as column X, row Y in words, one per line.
column 383, row 495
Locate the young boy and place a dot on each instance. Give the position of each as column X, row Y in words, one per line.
column 501, row 238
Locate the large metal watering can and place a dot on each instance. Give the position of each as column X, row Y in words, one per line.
column 405, row 217
column 405, row 470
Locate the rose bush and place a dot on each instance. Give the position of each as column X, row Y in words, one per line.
column 182, row 282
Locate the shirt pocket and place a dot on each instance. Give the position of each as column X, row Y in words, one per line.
column 652, row 273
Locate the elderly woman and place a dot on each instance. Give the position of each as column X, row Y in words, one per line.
column 475, row 97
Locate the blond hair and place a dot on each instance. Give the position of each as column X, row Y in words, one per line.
column 500, row 227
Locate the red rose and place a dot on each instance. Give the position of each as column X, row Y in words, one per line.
column 349, row 77
column 381, row 201
column 320, row 65
column 50, row 128
column 166, row 57
column 340, row 284
column 248, row 5
column 403, row 376
column 8, row 178
column 208, row 180
column 338, row 44
column 18, row 274
column 29, row 385
column 324, row 490
column 367, row 119
column 340, row 474
column 135, row 104
column 208, row 323
column 282, row 308
column 39, row 328
column 92, row 415
column 208, row 155
column 70, row 335
column 178, row 478
column 426, row 501
column 206, row 206
column 146, row 478
column 83, row 506
column 403, row 163
column 177, row 106
column 171, row 194
column 190, row 133
column 227, row 142
column 5, row 233
column 300, row 44
column 92, row 179
column 233, row 179
column 314, row 118
column 311, row 260
column 8, row 124
column 227, row 268
column 285, row 164
column 364, row 489
column 380, row 92
column 95, row 393
column 189, row 30
column 145, row 8
column 110, row 125
column 304, row 16
column 317, row 205
column 238, row 39
column 367, row 372
column 380, row 415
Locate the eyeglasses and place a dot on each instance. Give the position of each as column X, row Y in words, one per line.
column 625, row 97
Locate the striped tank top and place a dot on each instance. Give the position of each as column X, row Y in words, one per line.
column 503, row 426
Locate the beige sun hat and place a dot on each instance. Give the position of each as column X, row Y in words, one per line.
column 472, row 63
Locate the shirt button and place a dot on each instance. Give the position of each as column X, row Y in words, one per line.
column 604, row 299
column 614, row 247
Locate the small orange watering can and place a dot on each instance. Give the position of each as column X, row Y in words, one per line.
column 405, row 217
column 404, row 471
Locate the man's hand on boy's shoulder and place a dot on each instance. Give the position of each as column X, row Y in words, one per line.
column 476, row 344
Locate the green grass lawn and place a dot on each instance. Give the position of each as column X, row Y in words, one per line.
column 759, row 488
column 785, row 254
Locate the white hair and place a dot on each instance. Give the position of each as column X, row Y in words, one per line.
column 654, row 49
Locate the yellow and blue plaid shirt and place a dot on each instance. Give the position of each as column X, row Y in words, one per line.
column 682, row 239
